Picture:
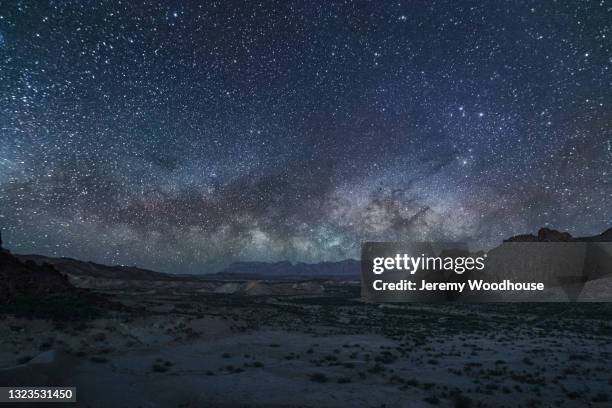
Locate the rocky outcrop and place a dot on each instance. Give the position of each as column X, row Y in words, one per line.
column 551, row 235
column 522, row 238
column 19, row 279
column 605, row 236
column 76, row 268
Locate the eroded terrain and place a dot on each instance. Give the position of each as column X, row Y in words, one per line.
column 192, row 348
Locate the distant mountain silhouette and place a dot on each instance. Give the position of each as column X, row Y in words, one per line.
column 26, row 279
column 346, row 269
column 284, row 270
column 350, row 269
column 551, row 235
column 569, row 263
column 75, row 267
column 605, row 236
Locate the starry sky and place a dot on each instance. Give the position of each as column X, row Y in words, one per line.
column 181, row 136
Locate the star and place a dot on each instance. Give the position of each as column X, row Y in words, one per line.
column 184, row 138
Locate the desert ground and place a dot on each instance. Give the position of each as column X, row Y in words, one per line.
column 182, row 345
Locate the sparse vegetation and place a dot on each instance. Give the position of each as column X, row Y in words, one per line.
column 601, row 397
column 66, row 307
column 159, row 368
column 389, row 353
column 318, row 377
column 24, row 359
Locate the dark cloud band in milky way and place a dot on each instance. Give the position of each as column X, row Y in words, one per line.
column 184, row 136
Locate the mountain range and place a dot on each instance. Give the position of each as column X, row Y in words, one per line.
column 348, row 269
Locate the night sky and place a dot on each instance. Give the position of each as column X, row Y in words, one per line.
column 181, row 136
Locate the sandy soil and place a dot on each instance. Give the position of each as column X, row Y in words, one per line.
column 224, row 350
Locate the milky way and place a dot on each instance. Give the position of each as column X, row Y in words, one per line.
column 182, row 136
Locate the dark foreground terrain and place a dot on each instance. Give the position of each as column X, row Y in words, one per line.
column 180, row 344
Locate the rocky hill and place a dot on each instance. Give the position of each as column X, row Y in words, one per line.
column 20, row 279
column 346, row 270
column 78, row 268
column 551, row 235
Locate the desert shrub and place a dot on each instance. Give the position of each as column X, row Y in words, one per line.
column 54, row 307
column 98, row 359
column 385, row 357
column 461, row 401
column 23, row 359
column 318, row 377
column 159, row 368
column 376, row 369
column 395, row 379
column 601, row 397
column 413, row 382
